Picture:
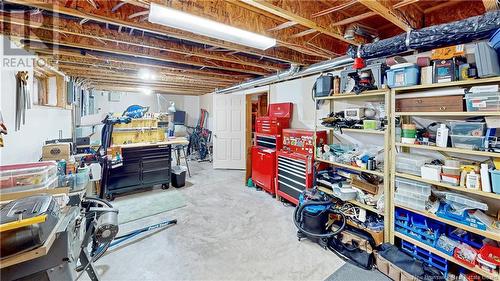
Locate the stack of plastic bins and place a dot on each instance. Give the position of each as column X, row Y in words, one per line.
column 425, row 256
column 411, row 163
column 411, row 194
column 29, row 176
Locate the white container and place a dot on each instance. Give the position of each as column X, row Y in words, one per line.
column 411, row 163
column 442, row 136
column 450, row 179
column 485, row 178
column 451, row 170
column 431, row 172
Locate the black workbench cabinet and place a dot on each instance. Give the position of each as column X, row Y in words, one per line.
column 143, row 166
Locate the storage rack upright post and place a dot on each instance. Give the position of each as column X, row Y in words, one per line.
column 374, row 95
column 395, row 146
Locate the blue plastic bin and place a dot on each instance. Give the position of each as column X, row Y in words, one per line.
column 403, row 75
column 494, row 41
column 495, row 181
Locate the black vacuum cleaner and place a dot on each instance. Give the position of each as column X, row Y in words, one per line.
column 317, row 218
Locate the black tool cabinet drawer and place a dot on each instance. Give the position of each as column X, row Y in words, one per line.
column 117, row 181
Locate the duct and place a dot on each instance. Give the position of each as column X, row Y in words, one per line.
column 293, row 72
column 458, row 32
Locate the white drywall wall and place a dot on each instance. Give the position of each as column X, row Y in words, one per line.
column 42, row 122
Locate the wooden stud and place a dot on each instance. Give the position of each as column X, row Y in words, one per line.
column 355, row 18
column 490, row 5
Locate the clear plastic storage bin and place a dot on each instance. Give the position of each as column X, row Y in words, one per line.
column 483, row 101
column 411, row 163
column 410, row 193
column 413, row 186
column 409, row 202
column 30, row 176
column 468, row 142
column 75, row 182
column 462, row 128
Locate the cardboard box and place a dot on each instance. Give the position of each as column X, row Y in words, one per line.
column 56, row 151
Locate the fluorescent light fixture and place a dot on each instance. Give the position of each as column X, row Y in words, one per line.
column 145, row 74
column 163, row 15
column 146, row 91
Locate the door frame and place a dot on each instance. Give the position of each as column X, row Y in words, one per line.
column 248, row 129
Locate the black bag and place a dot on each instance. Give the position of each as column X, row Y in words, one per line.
column 354, row 246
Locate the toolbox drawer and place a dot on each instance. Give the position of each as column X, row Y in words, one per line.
column 156, row 176
column 431, row 104
column 143, row 152
column 123, row 180
column 155, row 163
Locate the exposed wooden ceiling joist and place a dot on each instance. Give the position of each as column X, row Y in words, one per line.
column 97, row 32
column 387, row 13
column 107, row 60
column 291, row 16
column 135, row 89
column 355, row 18
column 490, row 5
column 40, row 35
column 83, row 10
column 340, row 7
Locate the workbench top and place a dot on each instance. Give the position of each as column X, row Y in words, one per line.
column 173, row 141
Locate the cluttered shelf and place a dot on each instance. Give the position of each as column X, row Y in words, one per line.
column 448, row 113
column 487, row 234
column 354, row 202
column 349, row 130
column 448, row 84
column 449, row 186
column 447, row 257
column 377, row 173
column 366, row 94
column 450, row 149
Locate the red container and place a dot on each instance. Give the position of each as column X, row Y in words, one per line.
column 279, row 116
column 456, row 254
column 301, row 141
column 264, row 168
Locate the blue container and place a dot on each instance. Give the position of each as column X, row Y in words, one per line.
column 495, row 181
column 494, row 41
column 465, row 219
column 403, row 75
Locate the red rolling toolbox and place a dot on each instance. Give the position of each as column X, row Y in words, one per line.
column 279, row 116
column 264, row 168
column 294, row 165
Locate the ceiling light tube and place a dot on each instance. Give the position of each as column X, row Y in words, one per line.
column 163, row 15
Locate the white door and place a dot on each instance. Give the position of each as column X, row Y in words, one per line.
column 229, row 132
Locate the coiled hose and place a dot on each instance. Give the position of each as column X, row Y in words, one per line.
column 298, row 217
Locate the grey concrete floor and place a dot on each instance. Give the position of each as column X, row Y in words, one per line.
column 226, row 232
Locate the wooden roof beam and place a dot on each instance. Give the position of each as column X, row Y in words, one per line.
column 287, row 14
column 334, row 9
column 355, row 18
column 490, row 5
column 387, row 13
column 81, row 9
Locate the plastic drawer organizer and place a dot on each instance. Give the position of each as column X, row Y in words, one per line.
column 483, row 101
column 411, row 194
column 411, row 163
column 29, row 176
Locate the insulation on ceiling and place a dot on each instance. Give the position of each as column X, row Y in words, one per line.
column 458, row 32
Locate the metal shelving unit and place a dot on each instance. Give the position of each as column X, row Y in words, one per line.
column 379, row 95
column 463, row 153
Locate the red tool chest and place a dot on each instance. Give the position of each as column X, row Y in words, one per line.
column 279, row 115
column 268, row 140
column 294, row 165
column 264, row 168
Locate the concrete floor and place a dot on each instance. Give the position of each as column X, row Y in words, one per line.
column 226, row 232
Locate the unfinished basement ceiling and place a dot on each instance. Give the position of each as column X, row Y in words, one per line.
column 109, row 41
